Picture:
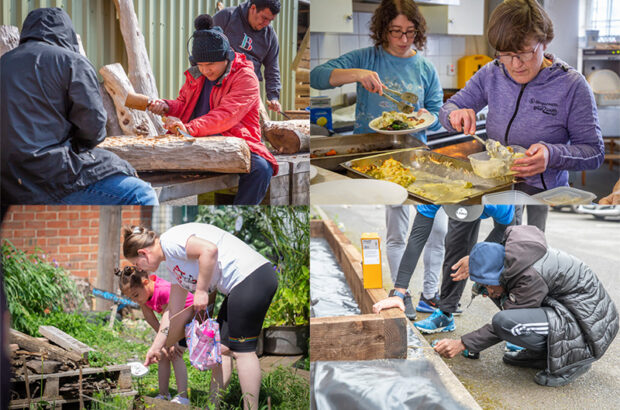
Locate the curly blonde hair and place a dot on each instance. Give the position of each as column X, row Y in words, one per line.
column 387, row 11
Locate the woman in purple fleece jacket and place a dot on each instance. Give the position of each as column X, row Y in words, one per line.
column 535, row 100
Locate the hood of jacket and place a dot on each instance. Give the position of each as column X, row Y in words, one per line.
column 51, row 25
column 525, row 244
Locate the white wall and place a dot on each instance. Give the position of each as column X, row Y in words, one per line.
column 565, row 17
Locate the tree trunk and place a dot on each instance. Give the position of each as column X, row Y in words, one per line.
column 9, row 38
column 132, row 122
column 288, row 137
column 140, row 71
column 173, row 153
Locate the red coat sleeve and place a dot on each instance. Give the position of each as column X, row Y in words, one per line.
column 239, row 100
column 176, row 106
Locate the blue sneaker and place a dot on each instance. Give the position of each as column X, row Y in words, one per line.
column 435, row 323
column 512, row 347
column 427, row 305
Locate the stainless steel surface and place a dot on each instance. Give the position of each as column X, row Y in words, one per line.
column 349, row 147
column 431, row 167
column 405, row 96
column 406, row 108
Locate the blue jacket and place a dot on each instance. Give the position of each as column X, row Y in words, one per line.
column 414, row 74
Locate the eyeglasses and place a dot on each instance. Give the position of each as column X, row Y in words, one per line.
column 524, row 57
column 399, row 34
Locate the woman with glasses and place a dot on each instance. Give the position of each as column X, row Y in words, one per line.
column 535, row 100
column 393, row 62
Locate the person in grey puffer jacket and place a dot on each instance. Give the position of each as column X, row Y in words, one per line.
column 552, row 304
column 52, row 118
column 535, row 100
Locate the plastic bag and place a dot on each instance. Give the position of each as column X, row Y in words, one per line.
column 203, row 342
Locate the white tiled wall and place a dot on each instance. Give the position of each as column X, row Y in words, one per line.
column 441, row 50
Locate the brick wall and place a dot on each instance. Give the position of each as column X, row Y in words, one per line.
column 66, row 234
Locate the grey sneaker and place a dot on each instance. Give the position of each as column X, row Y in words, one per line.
column 409, row 310
column 526, row 358
column 545, row 378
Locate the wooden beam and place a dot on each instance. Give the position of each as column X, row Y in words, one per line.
column 305, row 43
column 359, row 337
column 108, row 255
column 33, row 345
column 65, row 341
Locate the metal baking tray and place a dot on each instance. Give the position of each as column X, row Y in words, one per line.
column 349, row 147
column 431, row 167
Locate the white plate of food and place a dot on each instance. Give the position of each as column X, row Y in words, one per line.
column 358, row 192
column 313, row 172
column 396, row 123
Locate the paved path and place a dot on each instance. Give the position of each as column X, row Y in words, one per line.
column 492, row 383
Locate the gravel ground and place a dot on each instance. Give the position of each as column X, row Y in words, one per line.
column 492, row 383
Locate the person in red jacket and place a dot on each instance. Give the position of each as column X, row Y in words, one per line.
column 221, row 97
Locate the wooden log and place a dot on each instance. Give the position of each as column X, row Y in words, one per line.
column 52, row 352
column 9, row 38
column 132, row 122
column 112, row 126
column 43, row 366
column 173, row 153
column 64, row 340
column 140, row 72
column 80, row 45
column 288, row 137
column 108, row 255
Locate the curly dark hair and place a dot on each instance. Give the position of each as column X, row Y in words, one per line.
column 387, row 11
column 130, row 277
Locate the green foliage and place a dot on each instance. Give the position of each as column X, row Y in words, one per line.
column 282, row 386
column 282, row 235
column 34, row 287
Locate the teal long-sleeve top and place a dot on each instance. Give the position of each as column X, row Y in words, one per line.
column 414, row 74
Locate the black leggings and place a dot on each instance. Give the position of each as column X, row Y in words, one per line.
column 243, row 310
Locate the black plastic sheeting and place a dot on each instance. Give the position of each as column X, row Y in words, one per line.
column 330, row 294
column 378, row 384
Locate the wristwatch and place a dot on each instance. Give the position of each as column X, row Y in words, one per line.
column 398, row 293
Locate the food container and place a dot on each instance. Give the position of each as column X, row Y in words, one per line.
column 321, row 111
column 436, row 176
column 347, row 147
column 509, row 198
column 488, row 167
column 564, row 195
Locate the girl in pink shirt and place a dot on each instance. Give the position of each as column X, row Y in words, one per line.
column 152, row 294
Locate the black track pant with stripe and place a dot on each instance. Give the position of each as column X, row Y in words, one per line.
column 523, row 327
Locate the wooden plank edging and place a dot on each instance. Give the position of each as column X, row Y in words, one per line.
column 359, row 337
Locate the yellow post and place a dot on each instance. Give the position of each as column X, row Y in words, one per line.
column 371, row 258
